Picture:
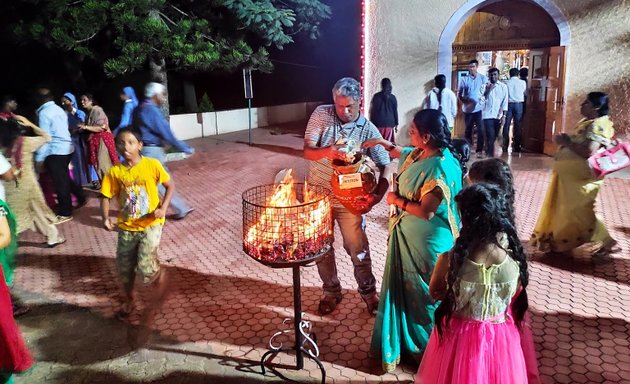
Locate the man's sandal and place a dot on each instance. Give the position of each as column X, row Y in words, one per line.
column 371, row 300
column 328, row 303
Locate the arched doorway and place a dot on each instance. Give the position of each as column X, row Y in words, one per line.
column 508, row 33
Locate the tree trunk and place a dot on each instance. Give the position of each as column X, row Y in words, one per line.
column 74, row 69
column 190, row 98
column 157, row 66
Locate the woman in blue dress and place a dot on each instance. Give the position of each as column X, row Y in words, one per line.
column 424, row 225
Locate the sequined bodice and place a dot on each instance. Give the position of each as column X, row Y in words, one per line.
column 483, row 292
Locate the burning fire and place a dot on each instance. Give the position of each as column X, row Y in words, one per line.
column 289, row 229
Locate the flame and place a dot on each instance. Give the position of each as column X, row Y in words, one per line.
column 290, row 229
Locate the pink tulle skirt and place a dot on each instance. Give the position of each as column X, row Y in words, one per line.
column 474, row 352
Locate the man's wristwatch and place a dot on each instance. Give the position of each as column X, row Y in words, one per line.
column 390, row 147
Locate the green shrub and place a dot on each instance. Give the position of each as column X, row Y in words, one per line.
column 205, row 105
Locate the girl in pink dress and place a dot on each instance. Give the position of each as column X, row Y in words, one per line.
column 482, row 284
column 496, row 171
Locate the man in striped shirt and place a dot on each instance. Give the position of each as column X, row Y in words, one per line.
column 328, row 126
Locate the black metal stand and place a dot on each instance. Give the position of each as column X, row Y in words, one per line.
column 302, row 330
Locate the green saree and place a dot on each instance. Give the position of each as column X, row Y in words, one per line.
column 7, row 254
column 405, row 315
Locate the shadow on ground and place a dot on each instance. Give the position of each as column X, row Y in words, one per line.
column 200, row 307
column 582, row 261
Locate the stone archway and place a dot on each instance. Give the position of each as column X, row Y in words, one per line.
column 457, row 20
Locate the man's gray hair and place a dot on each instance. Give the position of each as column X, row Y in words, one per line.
column 347, row 87
column 153, row 89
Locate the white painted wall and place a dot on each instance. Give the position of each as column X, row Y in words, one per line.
column 194, row 125
column 188, row 126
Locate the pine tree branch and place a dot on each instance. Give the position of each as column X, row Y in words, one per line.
column 179, row 10
column 86, row 39
column 167, row 19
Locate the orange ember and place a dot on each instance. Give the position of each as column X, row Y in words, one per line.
column 288, row 229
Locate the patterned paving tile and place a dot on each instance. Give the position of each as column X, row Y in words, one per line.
column 224, row 306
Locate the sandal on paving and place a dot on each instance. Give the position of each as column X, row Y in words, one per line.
column 124, row 312
column 371, row 300
column 328, row 303
column 18, row 306
column 609, row 247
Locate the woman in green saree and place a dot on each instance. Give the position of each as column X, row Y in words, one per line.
column 424, row 225
column 7, row 254
column 14, row 356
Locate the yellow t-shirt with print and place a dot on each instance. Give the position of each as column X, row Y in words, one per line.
column 137, row 191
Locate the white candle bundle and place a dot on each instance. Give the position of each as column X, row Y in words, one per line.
column 393, row 187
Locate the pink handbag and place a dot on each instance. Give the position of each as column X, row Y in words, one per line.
column 611, row 159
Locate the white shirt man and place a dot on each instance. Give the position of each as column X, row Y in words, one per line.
column 469, row 92
column 445, row 102
column 494, row 106
column 517, row 88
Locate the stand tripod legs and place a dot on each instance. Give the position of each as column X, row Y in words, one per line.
column 301, row 328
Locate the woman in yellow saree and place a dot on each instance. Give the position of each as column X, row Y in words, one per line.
column 567, row 218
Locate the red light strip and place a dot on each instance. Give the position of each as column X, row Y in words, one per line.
column 363, row 55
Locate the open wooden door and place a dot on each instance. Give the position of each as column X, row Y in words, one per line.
column 536, row 104
column 544, row 115
column 554, row 117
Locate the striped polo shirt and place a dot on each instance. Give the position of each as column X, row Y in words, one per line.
column 325, row 129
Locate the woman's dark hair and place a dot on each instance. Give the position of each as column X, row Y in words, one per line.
column 6, row 99
column 439, row 79
column 484, row 212
column 10, row 129
column 599, row 100
column 131, row 130
column 497, row 172
column 90, row 97
column 433, row 123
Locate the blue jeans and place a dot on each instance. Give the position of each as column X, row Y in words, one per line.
column 515, row 111
column 356, row 244
column 177, row 203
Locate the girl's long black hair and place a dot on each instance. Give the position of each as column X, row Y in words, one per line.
column 10, row 130
column 495, row 171
column 484, row 212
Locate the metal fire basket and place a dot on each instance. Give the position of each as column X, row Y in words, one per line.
column 289, row 237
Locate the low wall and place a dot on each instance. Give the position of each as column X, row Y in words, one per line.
column 195, row 125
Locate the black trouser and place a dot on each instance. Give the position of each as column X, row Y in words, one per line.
column 471, row 120
column 57, row 167
column 491, row 130
column 515, row 111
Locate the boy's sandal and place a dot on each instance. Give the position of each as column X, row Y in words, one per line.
column 122, row 315
column 124, row 312
column 19, row 308
column 328, row 303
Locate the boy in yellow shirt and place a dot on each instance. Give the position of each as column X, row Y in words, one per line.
column 141, row 218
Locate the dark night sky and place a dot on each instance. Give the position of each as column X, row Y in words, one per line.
column 304, row 71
